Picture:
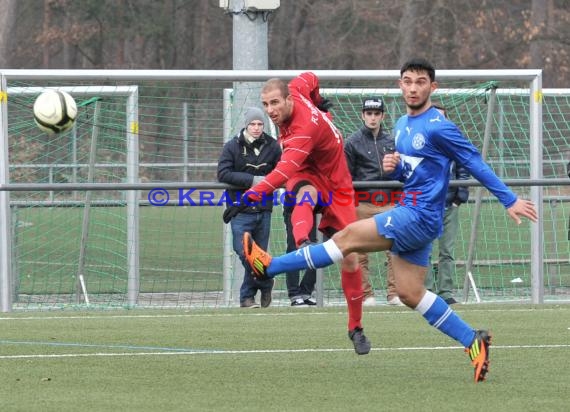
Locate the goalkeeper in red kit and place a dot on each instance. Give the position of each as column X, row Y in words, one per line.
column 313, row 167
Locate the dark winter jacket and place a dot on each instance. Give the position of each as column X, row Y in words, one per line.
column 364, row 154
column 460, row 194
column 239, row 164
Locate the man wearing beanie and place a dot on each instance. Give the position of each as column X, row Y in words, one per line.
column 365, row 150
column 245, row 159
column 251, row 114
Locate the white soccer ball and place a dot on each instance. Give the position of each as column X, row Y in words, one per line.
column 55, row 111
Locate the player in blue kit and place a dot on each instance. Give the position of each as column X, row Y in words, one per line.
column 426, row 143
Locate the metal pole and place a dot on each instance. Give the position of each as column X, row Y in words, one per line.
column 501, row 144
column 5, row 225
column 478, row 197
column 250, row 51
column 15, row 279
column 553, row 268
column 74, row 161
column 133, row 250
column 229, row 260
column 81, row 288
column 185, row 141
column 536, row 192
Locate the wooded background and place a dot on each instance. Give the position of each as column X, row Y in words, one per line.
column 303, row 34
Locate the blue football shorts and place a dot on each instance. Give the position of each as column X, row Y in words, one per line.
column 412, row 232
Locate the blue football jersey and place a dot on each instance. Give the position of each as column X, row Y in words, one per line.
column 427, row 144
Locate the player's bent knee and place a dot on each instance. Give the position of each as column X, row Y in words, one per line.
column 410, row 297
column 345, row 241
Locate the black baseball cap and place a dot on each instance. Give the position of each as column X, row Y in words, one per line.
column 373, row 103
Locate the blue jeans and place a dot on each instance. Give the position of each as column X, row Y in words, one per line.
column 259, row 225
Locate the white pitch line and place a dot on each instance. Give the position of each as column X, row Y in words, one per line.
column 262, row 351
column 194, row 315
column 297, row 312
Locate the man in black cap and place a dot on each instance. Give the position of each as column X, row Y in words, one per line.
column 364, row 151
column 246, row 158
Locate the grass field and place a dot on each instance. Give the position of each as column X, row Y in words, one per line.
column 279, row 360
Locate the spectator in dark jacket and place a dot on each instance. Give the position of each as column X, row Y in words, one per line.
column 364, row 151
column 245, row 159
column 441, row 282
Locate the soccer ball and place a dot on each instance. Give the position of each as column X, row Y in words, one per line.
column 55, row 111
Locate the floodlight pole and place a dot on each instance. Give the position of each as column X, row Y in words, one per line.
column 250, row 51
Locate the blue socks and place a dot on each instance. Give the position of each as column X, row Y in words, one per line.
column 441, row 316
column 308, row 257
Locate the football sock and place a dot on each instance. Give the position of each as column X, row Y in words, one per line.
column 351, row 283
column 308, row 257
column 302, row 220
column 441, row 316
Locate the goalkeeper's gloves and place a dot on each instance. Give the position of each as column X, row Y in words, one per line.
column 325, row 105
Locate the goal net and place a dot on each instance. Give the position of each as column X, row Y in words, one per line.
column 495, row 116
column 165, row 130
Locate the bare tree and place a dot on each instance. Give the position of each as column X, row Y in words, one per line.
column 413, row 29
column 303, row 34
column 538, row 22
column 46, row 36
column 444, row 35
column 287, row 41
column 7, row 19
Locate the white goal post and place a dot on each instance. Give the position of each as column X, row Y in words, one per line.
column 132, row 199
column 531, row 77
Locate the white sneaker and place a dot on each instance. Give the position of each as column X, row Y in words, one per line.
column 395, row 301
column 310, row 301
column 299, row 303
column 369, row 301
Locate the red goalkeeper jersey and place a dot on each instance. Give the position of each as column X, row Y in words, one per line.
column 311, row 143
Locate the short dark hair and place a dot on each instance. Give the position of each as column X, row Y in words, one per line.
column 418, row 65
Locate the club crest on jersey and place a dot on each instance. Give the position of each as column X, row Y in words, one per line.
column 419, row 141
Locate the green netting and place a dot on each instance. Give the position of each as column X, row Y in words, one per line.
column 181, row 129
column 502, row 250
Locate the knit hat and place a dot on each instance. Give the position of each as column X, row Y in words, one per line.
column 251, row 114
